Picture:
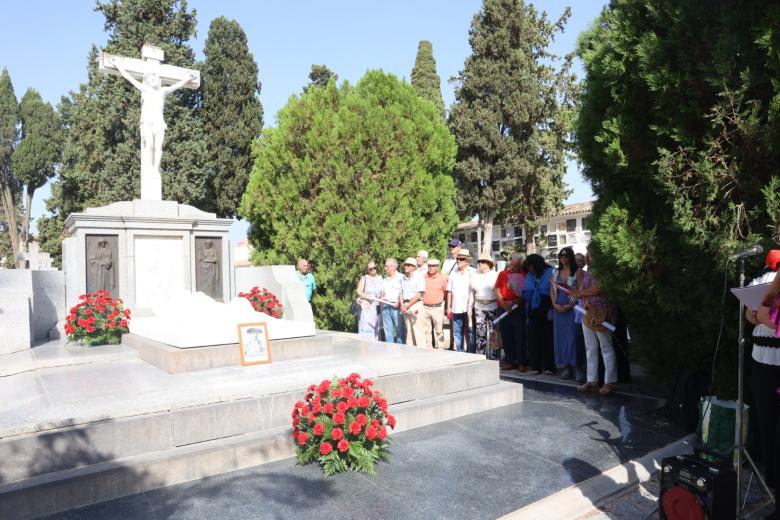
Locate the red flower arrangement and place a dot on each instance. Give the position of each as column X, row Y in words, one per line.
column 342, row 424
column 263, row 300
column 97, row 319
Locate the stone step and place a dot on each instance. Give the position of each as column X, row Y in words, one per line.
column 136, row 430
column 105, row 476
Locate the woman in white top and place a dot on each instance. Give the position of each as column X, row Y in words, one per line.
column 483, row 284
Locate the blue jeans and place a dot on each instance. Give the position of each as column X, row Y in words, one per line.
column 393, row 324
column 460, row 324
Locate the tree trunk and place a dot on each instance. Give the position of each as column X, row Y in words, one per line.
column 25, row 234
column 7, row 200
column 487, row 232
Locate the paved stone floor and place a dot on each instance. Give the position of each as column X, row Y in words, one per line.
column 479, row 466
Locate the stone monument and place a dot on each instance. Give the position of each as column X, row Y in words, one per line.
column 157, row 255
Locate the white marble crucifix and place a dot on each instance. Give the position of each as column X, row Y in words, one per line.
column 155, row 81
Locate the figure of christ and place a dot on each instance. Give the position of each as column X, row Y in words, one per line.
column 153, row 126
column 208, row 264
column 100, row 259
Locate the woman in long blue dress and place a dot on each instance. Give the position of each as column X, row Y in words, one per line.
column 564, row 328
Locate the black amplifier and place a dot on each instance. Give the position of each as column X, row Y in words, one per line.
column 697, row 488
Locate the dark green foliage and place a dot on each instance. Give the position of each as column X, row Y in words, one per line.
column 38, row 153
column 231, row 111
column 511, row 116
column 9, row 185
column 679, row 134
column 319, row 76
column 425, row 79
column 351, row 174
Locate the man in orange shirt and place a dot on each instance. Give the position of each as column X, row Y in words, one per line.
column 433, row 305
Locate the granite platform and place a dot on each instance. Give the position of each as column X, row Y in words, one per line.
column 77, row 434
column 482, row 466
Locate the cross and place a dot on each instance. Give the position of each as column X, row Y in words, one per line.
column 155, row 81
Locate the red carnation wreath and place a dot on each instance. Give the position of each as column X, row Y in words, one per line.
column 342, row 424
column 97, row 319
column 263, row 300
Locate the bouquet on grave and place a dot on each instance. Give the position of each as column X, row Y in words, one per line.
column 342, row 424
column 97, row 319
column 263, row 300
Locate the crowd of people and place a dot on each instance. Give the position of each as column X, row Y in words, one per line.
column 531, row 317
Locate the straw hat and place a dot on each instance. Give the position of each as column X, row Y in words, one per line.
column 410, row 261
column 464, row 253
column 485, row 257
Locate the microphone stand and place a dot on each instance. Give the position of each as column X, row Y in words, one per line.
column 739, row 447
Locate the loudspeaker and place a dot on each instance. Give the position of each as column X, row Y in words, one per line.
column 697, row 488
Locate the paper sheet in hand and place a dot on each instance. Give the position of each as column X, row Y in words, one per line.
column 751, row 297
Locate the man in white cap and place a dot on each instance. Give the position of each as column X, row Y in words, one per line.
column 451, row 264
column 433, row 305
column 410, row 303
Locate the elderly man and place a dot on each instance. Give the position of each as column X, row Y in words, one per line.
column 433, row 305
column 509, row 286
column 460, row 299
column 306, row 278
column 410, row 303
column 422, row 262
column 451, row 263
column 392, row 319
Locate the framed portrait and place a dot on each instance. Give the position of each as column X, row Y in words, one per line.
column 253, row 343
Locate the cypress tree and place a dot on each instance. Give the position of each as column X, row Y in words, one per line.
column 38, row 153
column 351, row 173
column 678, row 133
column 425, row 79
column 319, row 76
column 231, row 111
column 9, row 137
column 511, row 117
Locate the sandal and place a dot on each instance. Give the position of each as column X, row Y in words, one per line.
column 587, row 387
column 606, row 389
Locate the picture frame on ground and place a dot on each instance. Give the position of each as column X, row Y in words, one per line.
column 253, row 343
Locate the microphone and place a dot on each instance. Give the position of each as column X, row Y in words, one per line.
column 755, row 250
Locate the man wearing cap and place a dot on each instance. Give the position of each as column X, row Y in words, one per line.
column 451, row 263
column 410, row 303
column 433, row 305
column 459, row 299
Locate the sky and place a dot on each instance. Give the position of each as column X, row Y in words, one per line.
column 45, row 45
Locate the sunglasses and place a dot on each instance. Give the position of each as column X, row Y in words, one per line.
column 372, row 268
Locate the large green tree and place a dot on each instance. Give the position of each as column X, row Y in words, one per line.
column 231, row 111
column 511, row 116
column 101, row 157
column 9, row 185
column 30, row 149
column 425, row 79
column 37, row 155
column 679, row 133
column 351, row 173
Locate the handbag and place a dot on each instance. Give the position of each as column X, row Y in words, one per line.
column 355, row 308
column 596, row 316
column 494, row 341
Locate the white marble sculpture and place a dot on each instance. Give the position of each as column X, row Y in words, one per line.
column 188, row 320
column 156, row 82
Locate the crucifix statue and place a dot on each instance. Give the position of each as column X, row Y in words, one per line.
column 156, row 82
